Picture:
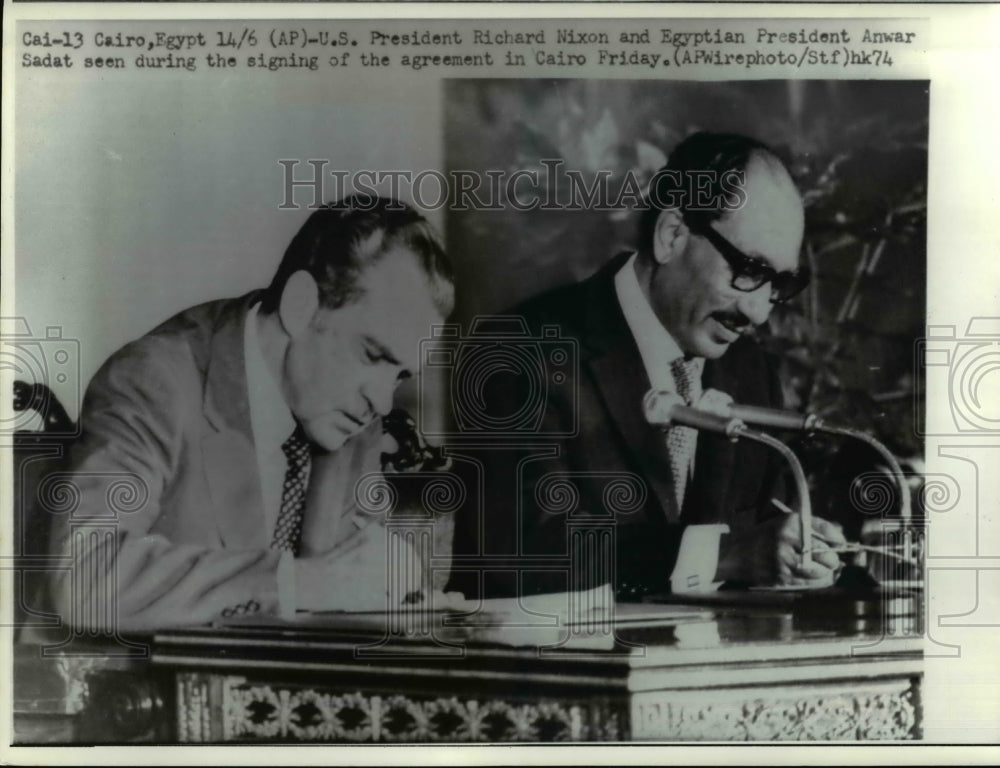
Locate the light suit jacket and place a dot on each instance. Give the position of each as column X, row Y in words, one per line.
column 168, row 525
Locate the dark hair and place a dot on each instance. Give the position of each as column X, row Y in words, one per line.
column 720, row 154
column 341, row 240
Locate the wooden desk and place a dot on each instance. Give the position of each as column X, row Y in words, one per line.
column 733, row 669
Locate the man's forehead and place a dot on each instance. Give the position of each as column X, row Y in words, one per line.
column 771, row 221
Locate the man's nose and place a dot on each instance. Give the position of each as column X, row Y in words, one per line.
column 756, row 305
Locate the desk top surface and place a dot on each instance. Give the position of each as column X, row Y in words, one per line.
column 740, row 632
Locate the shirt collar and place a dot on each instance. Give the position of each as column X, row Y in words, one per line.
column 270, row 417
column 656, row 346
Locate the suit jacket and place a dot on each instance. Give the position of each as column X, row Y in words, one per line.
column 165, row 473
column 732, row 483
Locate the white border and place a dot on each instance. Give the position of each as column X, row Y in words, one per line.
column 963, row 58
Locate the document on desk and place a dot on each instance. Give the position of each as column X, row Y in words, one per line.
column 577, row 608
column 552, row 608
column 560, row 611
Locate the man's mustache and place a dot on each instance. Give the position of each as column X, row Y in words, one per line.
column 736, row 321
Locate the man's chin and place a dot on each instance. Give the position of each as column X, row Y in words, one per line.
column 710, row 346
column 329, row 438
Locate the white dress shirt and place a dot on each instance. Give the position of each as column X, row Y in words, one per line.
column 657, row 348
column 272, row 423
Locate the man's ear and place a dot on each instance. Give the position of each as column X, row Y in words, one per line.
column 299, row 302
column 669, row 236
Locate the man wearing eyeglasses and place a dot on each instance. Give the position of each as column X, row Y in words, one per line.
column 717, row 250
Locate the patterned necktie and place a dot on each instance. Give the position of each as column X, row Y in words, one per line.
column 288, row 529
column 681, row 440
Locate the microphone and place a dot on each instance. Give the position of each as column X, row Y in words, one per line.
column 715, row 414
column 666, row 409
column 720, row 403
column 777, row 418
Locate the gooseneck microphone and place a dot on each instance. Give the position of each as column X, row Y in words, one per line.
column 666, row 409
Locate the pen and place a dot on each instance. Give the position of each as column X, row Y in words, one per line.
column 852, row 547
column 884, row 551
column 833, row 545
column 782, row 506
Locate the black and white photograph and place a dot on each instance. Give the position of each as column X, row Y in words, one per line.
column 510, row 378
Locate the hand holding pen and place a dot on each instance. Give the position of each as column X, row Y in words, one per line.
column 770, row 553
column 828, row 540
column 821, row 566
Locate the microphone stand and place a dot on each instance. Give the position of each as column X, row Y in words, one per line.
column 801, row 485
column 665, row 409
column 905, row 511
column 810, row 422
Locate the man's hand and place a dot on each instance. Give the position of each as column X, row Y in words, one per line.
column 771, row 553
column 355, row 576
column 823, row 564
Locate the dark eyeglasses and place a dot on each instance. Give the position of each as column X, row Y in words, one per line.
column 751, row 272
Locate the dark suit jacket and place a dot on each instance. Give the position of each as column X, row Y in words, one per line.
column 166, row 476
column 732, row 482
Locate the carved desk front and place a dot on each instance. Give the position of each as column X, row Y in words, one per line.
column 717, row 672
